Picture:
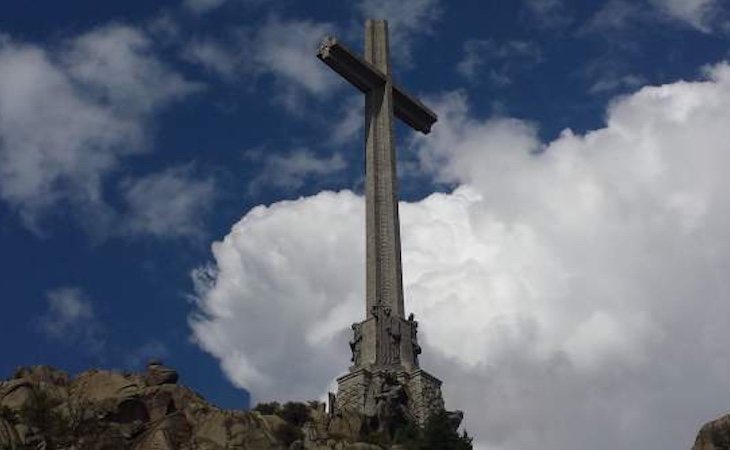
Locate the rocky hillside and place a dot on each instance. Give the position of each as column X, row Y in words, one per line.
column 714, row 435
column 43, row 408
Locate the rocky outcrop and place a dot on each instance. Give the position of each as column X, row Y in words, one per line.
column 44, row 408
column 714, row 435
column 157, row 374
column 41, row 407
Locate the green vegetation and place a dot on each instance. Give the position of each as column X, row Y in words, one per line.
column 8, row 414
column 409, row 436
column 288, row 433
column 295, row 413
column 39, row 412
column 437, row 434
column 268, row 409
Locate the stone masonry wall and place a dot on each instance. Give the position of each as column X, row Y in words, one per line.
column 425, row 397
column 424, row 393
column 352, row 390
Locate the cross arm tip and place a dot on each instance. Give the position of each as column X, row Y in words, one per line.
column 325, row 46
column 351, row 67
column 411, row 111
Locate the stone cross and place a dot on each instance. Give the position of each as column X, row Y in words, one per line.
column 383, row 100
column 384, row 345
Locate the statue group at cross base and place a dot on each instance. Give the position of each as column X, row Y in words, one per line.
column 391, row 408
column 394, row 336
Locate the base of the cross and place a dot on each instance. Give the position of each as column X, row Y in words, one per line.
column 358, row 390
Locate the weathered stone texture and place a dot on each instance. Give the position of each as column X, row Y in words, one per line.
column 352, row 390
column 107, row 410
column 157, row 374
column 356, row 392
column 714, row 435
column 425, row 395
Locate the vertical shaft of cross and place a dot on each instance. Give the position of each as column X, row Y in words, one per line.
column 383, row 273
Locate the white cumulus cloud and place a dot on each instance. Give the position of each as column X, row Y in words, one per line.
column 572, row 294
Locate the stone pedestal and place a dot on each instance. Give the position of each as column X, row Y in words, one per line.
column 356, row 392
column 425, row 397
column 389, row 343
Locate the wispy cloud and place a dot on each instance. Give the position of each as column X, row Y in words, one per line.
column 350, row 122
column 290, row 171
column 497, row 61
column 280, row 51
column 608, row 84
column 285, row 50
column 117, row 66
column 70, row 319
column 548, row 14
column 70, row 114
column 408, row 20
column 200, row 6
column 168, row 204
column 703, row 15
column 214, row 56
column 609, row 75
column 204, row 6
column 614, row 15
column 617, row 16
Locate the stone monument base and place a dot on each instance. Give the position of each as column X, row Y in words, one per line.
column 356, row 391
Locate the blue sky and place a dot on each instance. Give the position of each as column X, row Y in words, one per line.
column 135, row 135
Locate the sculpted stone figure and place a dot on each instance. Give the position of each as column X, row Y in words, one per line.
column 394, row 337
column 390, row 405
column 388, row 335
column 454, row 418
column 380, row 311
column 356, row 343
column 414, row 338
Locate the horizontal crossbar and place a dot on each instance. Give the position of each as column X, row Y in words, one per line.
column 365, row 77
